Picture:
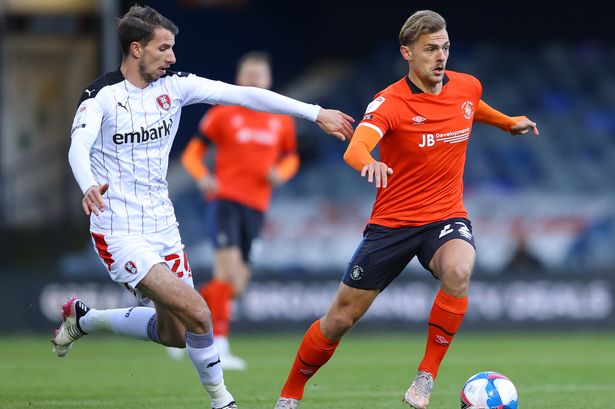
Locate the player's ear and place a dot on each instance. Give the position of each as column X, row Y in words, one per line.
column 135, row 49
column 406, row 52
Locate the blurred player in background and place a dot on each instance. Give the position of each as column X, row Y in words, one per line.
column 255, row 152
column 120, row 142
column 423, row 124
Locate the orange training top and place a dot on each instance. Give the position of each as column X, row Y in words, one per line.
column 423, row 139
column 249, row 144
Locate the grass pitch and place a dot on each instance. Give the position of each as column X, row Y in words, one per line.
column 551, row 370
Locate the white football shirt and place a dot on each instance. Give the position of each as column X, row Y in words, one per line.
column 129, row 131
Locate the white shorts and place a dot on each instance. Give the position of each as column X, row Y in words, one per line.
column 129, row 257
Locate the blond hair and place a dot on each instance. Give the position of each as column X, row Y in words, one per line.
column 421, row 22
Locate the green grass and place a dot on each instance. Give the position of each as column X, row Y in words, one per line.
column 551, row 370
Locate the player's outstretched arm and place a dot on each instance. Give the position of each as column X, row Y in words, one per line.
column 331, row 121
column 517, row 125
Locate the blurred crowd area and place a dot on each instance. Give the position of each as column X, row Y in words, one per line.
column 542, row 204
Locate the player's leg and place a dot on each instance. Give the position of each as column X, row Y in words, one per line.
column 379, row 259
column 127, row 258
column 452, row 262
column 322, row 338
column 236, row 226
column 174, row 296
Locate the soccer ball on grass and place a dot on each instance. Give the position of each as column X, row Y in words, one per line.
column 489, row 390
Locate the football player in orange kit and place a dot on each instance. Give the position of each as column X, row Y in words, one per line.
column 256, row 151
column 423, row 124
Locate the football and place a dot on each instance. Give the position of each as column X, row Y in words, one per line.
column 489, row 390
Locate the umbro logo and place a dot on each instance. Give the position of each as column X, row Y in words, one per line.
column 441, row 340
column 417, row 120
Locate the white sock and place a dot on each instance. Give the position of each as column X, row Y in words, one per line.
column 206, row 360
column 133, row 322
column 222, row 344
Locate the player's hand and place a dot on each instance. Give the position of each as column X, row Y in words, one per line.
column 92, row 200
column 208, row 185
column 274, row 177
column 377, row 172
column 523, row 126
column 335, row 123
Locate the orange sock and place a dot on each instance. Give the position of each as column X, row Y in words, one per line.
column 444, row 320
column 314, row 351
column 218, row 295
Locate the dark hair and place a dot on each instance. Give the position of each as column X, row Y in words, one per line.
column 421, row 22
column 138, row 24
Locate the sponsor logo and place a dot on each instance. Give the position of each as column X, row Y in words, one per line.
column 144, row 135
column 164, row 102
column 368, row 116
column 441, row 340
column 209, row 365
column 128, row 312
column 356, row 273
column 418, row 120
column 374, row 104
column 468, row 109
column 306, row 371
column 131, row 268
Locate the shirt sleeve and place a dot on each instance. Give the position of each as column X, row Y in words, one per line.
column 378, row 115
column 202, row 90
column 85, row 130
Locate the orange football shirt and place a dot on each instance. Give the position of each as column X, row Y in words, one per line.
column 248, row 144
column 423, row 139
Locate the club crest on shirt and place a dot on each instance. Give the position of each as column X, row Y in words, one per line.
column 131, row 268
column 164, row 102
column 468, row 109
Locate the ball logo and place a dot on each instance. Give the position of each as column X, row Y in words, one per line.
column 164, row 102
column 356, row 273
column 131, row 268
column 468, row 109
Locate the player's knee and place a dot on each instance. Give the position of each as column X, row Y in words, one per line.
column 457, row 276
column 336, row 325
column 199, row 316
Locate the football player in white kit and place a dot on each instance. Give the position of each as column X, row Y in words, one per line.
column 120, row 143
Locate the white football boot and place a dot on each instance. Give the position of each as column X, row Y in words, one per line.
column 69, row 331
column 419, row 392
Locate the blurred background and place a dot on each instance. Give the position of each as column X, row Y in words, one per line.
column 543, row 209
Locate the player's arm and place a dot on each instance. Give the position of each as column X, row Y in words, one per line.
column 285, row 169
column 358, row 156
column 331, row 121
column 86, row 127
column 516, row 125
column 193, row 161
